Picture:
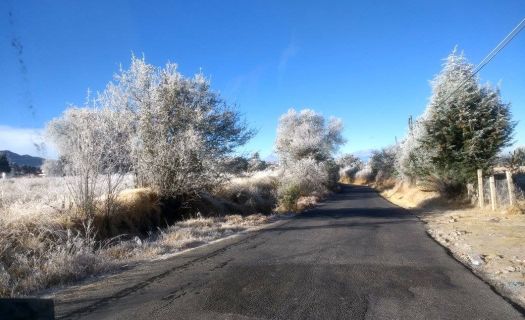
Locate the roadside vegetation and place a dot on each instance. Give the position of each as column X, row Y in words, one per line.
column 149, row 167
column 465, row 127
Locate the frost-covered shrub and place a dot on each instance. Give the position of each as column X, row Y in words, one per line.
column 303, row 178
column 288, row 197
column 332, row 170
column 348, row 160
column 413, row 161
column 92, row 145
column 349, row 165
column 173, row 132
column 365, row 174
column 383, row 163
column 305, row 145
column 235, row 165
column 514, row 160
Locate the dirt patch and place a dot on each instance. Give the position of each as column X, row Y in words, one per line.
column 491, row 244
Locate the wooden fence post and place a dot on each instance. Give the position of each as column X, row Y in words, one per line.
column 492, row 184
column 480, row 189
column 510, row 187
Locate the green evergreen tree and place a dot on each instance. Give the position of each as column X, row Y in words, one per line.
column 466, row 124
column 4, row 164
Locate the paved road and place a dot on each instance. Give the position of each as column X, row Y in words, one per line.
column 356, row 256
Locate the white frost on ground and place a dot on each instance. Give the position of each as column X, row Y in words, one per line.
column 492, row 245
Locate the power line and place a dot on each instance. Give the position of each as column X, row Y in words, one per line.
column 490, row 56
column 500, row 46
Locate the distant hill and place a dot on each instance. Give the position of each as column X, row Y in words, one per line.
column 23, row 160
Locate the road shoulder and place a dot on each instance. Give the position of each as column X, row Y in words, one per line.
column 490, row 244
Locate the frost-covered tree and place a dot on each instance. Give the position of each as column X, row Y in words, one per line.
column 307, row 174
column 182, row 131
column 466, row 124
column 306, row 144
column 173, row 132
column 90, row 145
column 349, row 160
column 412, row 159
column 307, row 134
column 349, row 165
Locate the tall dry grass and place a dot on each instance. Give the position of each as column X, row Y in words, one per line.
column 44, row 243
column 252, row 193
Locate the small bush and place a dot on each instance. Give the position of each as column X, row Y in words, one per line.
column 288, row 197
column 383, row 164
column 364, row 175
column 308, row 175
column 306, row 202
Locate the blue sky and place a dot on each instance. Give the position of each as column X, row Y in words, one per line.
column 367, row 62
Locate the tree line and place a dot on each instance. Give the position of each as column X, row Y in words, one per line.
column 179, row 137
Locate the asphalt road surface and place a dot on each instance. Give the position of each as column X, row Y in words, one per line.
column 355, row 256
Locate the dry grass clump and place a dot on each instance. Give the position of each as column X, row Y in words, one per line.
column 137, row 211
column 385, row 184
column 34, row 255
column 253, row 193
column 346, row 179
column 409, row 196
column 197, row 231
column 307, row 202
column 183, row 235
column 33, row 198
column 516, row 209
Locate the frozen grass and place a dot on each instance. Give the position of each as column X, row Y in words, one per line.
column 253, row 193
column 39, row 199
column 184, row 235
column 43, row 243
column 37, row 254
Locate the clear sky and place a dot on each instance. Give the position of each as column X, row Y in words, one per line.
column 367, row 62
